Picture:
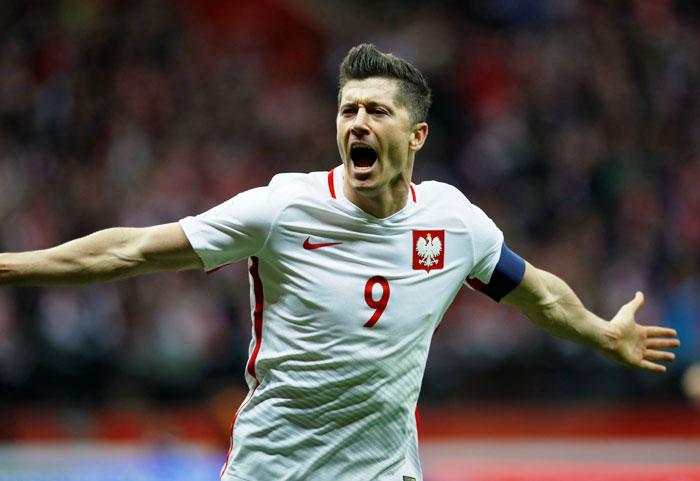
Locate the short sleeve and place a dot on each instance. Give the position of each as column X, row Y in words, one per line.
column 487, row 240
column 233, row 230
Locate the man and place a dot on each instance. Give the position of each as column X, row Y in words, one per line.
column 351, row 271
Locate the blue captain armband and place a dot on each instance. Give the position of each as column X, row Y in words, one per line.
column 507, row 274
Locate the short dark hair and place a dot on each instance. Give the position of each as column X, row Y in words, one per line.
column 365, row 61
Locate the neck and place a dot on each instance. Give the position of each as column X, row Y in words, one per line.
column 385, row 204
column 387, row 199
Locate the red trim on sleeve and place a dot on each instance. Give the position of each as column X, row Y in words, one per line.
column 413, row 193
column 331, row 183
column 257, row 315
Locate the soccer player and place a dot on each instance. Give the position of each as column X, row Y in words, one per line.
column 351, row 271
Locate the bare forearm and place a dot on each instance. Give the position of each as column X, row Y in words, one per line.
column 549, row 302
column 555, row 307
column 106, row 255
column 98, row 257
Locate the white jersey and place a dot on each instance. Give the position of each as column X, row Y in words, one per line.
column 344, row 306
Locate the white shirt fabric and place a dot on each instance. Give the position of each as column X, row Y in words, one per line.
column 330, row 397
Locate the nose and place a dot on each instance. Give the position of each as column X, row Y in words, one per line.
column 359, row 124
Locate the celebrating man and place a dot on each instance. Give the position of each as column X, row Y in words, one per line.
column 351, row 271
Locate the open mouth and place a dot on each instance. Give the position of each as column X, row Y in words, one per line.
column 363, row 156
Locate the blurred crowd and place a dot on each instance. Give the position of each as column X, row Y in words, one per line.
column 575, row 125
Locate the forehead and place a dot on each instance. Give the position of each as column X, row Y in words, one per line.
column 373, row 89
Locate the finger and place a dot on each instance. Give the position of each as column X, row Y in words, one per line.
column 636, row 302
column 656, row 331
column 654, row 355
column 652, row 366
column 662, row 343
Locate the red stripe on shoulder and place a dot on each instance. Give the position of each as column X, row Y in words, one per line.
column 331, row 183
column 413, row 193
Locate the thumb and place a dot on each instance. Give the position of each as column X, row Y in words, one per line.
column 635, row 303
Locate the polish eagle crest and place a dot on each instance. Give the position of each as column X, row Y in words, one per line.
column 428, row 249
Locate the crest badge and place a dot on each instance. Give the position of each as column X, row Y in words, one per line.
column 428, row 249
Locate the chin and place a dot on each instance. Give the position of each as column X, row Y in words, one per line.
column 367, row 188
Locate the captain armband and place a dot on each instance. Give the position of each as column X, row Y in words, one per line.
column 507, row 274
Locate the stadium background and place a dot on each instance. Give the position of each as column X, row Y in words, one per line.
column 574, row 124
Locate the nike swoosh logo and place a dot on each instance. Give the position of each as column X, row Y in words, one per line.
column 310, row 246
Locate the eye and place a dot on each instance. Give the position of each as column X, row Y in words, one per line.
column 348, row 111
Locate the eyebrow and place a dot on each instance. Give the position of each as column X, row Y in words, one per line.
column 368, row 104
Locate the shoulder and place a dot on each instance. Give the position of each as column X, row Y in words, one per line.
column 288, row 191
column 294, row 183
column 439, row 194
column 266, row 202
column 446, row 199
column 288, row 188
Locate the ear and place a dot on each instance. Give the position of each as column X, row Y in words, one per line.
column 418, row 136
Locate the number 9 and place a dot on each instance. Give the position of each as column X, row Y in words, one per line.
column 379, row 305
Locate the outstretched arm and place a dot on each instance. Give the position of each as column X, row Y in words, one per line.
column 549, row 302
column 106, row 255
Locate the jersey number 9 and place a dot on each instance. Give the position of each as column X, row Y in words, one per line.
column 378, row 305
